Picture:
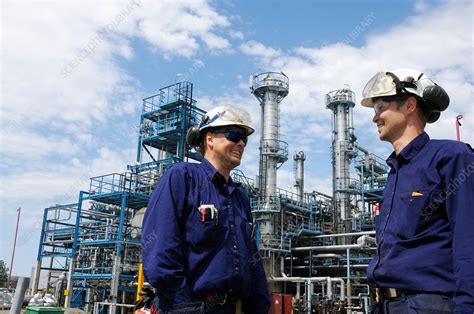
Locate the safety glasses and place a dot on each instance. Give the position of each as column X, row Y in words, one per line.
column 380, row 105
column 232, row 135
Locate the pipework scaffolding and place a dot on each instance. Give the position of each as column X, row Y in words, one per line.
column 95, row 243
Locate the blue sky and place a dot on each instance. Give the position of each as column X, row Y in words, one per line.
column 74, row 75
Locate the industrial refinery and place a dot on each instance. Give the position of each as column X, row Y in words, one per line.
column 315, row 247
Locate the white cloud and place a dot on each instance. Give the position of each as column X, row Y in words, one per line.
column 434, row 41
column 236, row 34
column 66, row 100
column 175, row 28
column 27, row 145
column 256, row 49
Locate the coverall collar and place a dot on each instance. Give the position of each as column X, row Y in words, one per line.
column 410, row 150
column 218, row 178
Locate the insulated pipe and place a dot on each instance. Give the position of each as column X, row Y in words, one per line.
column 328, row 255
column 309, row 296
column 343, row 290
column 349, row 296
column 19, row 296
column 361, row 243
column 341, row 235
column 297, row 279
column 362, row 149
column 296, row 207
column 329, row 288
column 37, row 276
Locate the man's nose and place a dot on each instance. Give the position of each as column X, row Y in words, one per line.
column 241, row 143
column 375, row 118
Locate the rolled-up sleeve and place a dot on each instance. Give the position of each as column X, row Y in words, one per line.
column 162, row 243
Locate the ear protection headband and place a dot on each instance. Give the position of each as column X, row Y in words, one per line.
column 193, row 135
column 434, row 97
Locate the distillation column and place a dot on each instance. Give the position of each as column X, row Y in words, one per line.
column 269, row 88
column 341, row 103
column 299, row 159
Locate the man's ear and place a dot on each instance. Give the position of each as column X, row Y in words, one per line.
column 411, row 104
column 209, row 139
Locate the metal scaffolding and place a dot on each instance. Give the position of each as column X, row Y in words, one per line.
column 314, row 246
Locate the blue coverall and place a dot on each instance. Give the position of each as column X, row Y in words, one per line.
column 425, row 229
column 187, row 255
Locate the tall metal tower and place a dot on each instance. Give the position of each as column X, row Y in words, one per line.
column 299, row 159
column 341, row 103
column 269, row 88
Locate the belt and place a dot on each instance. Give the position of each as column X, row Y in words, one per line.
column 393, row 293
column 220, row 299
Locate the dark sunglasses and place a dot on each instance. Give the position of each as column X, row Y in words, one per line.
column 233, row 136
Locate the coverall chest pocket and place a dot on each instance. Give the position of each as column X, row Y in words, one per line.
column 204, row 232
column 248, row 231
column 415, row 213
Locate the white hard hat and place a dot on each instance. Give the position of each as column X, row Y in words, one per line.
column 218, row 117
column 227, row 115
column 407, row 82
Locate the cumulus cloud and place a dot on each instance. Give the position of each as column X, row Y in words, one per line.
column 314, row 71
column 65, row 97
column 434, row 40
column 256, row 49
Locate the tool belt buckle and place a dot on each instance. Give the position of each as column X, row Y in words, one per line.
column 388, row 293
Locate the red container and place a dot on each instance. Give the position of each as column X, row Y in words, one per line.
column 287, row 303
column 281, row 304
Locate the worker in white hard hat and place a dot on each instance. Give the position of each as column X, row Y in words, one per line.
column 202, row 256
column 425, row 256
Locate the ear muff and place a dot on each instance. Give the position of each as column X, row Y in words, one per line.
column 193, row 136
column 433, row 116
column 436, row 97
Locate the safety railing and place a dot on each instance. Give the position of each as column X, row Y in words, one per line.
column 269, row 204
column 275, row 244
column 270, row 79
column 348, row 185
column 106, row 184
column 275, row 148
column 173, row 94
column 340, row 95
column 118, row 183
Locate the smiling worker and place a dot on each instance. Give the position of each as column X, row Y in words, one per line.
column 425, row 229
column 203, row 257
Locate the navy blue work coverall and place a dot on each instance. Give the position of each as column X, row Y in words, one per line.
column 425, row 229
column 186, row 258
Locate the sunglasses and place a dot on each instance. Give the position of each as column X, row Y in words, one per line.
column 233, row 136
